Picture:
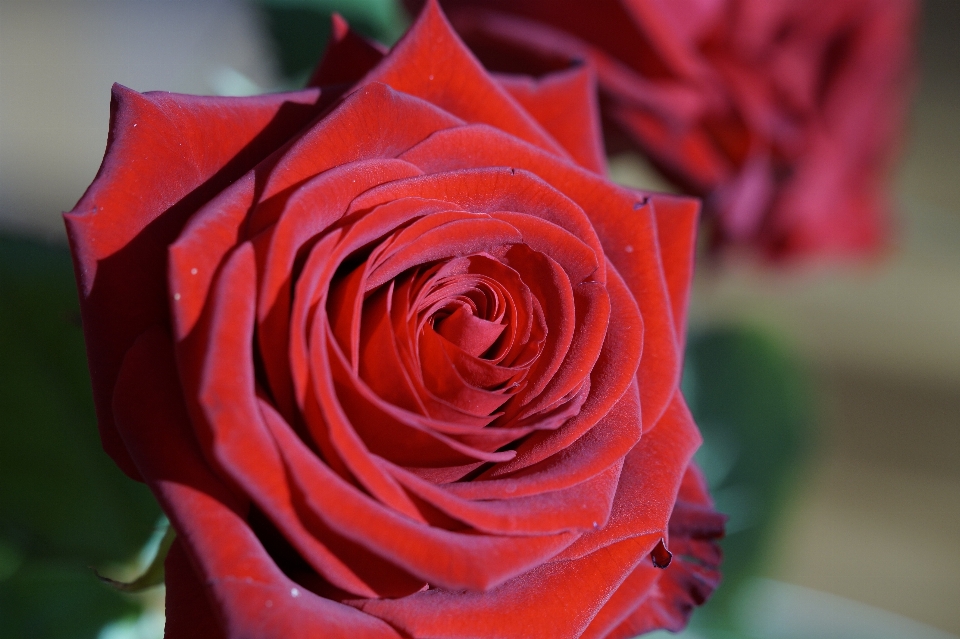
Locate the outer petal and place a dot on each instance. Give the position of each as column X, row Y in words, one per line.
column 221, row 397
column 557, row 599
column 166, row 156
column 189, row 612
column 431, row 62
column 565, row 104
column 568, row 595
column 686, row 583
column 649, row 484
column 677, row 237
column 251, row 596
column 374, row 122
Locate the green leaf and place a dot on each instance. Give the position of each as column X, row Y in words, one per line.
column 63, row 503
column 300, row 29
column 153, row 575
column 54, row 599
column 751, row 399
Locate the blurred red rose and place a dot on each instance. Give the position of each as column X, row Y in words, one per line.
column 782, row 114
column 395, row 358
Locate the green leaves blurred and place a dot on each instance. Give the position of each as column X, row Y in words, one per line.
column 300, row 29
column 64, row 506
column 751, row 399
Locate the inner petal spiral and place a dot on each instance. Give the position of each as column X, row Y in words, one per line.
column 461, row 327
column 465, row 332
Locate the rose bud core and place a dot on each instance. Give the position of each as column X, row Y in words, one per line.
column 395, row 357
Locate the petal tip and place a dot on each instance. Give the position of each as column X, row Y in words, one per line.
column 660, row 556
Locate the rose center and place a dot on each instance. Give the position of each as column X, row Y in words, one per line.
column 474, row 335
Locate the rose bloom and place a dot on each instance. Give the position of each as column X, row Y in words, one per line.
column 782, row 114
column 394, row 356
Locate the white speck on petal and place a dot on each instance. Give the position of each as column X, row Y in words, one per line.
column 628, row 248
column 595, row 524
column 431, row 77
column 176, row 297
column 294, row 592
column 193, row 271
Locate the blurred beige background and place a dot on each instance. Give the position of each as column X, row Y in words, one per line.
column 877, row 519
column 58, row 60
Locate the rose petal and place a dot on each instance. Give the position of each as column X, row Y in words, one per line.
column 563, row 366
column 667, row 32
column 189, row 613
column 487, row 188
column 651, row 479
column 444, row 380
column 400, row 437
column 238, row 575
column 565, row 104
column 677, row 234
column 226, row 415
column 611, row 621
column 324, row 417
column 604, row 24
column 519, row 608
column 612, row 374
column 431, row 62
column 375, row 121
column 691, row 577
column 382, row 226
column 469, row 333
column 362, row 127
column 310, row 210
column 348, row 56
column 601, row 447
column 167, row 154
column 447, row 559
column 577, row 508
column 624, row 224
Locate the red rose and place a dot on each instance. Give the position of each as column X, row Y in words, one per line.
column 782, row 114
column 394, row 357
